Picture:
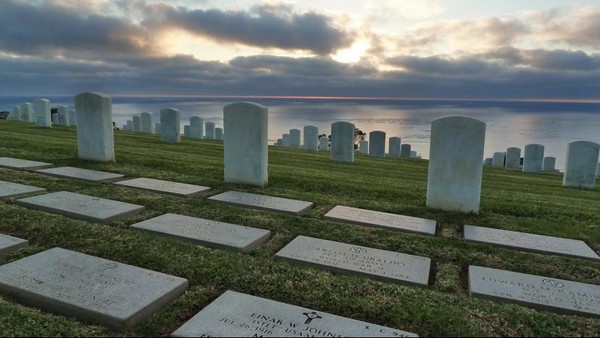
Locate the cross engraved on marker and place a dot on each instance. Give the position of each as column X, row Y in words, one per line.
column 310, row 316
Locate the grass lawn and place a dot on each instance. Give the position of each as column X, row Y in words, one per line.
column 511, row 200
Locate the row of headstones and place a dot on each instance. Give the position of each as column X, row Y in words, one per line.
column 40, row 113
column 195, row 130
column 312, row 140
column 512, row 159
column 375, row 146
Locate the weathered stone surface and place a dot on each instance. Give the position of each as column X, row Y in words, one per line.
column 498, row 159
column 295, row 138
column 549, row 163
column 169, row 125
column 235, row 314
column 380, row 219
column 354, row 259
column 405, row 150
column 206, row 232
column 9, row 189
column 89, row 288
column 63, row 115
column 513, row 158
column 530, row 242
column 168, row 187
column 95, row 138
column 552, row 294
column 196, row 127
column 581, row 164
column 81, row 174
column 394, row 147
column 246, row 146
column 262, row 202
column 377, row 144
column 9, row 244
column 42, row 113
column 19, row 164
column 533, row 158
column 87, row 208
column 323, row 143
column 210, row 130
column 311, row 138
column 342, row 142
column 456, row 164
column 146, row 122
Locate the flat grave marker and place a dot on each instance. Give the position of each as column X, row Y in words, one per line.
column 262, row 202
column 81, row 174
column 359, row 260
column 530, row 242
column 10, row 243
column 9, row 189
column 19, row 164
column 552, row 294
column 236, row 314
column 87, row 208
column 380, row 219
column 89, row 288
column 168, row 187
column 206, row 232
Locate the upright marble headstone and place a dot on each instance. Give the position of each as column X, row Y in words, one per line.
column 455, row 164
column 63, row 115
column 582, row 164
column 95, row 138
column 186, row 131
column 219, row 134
column 533, row 158
column 245, row 147
column 129, row 124
column 498, row 159
column 42, row 113
column 323, row 143
column 295, row 138
column 377, row 144
column 286, row 140
column 513, row 158
column 15, row 113
column 405, row 150
column 146, row 122
column 169, row 125
column 137, row 123
column 394, row 147
column 363, row 147
column 27, row 112
column 342, row 141
column 279, row 142
column 311, row 138
column 549, row 163
column 72, row 118
column 488, row 161
column 210, row 130
column 196, row 127
column 598, row 170
column 157, row 128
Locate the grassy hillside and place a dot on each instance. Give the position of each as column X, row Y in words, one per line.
column 535, row 203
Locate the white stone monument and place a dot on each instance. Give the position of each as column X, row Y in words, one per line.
column 15, row 113
column 210, row 131
column 146, row 122
column 42, row 113
column 455, row 164
column 405, row 150
column 394, row 147
column 581, row 166
column 377, row 144
column 295, row 138
column 157, row 128
column 285, row 140
column 323, row 143
column 498, row 159
column 342, row 141
column 363, row 147
column 186, row 131
column 219, row 134
column 137, row 123
column 169, row 125
column 245, row 147
column 196, row 127
column 72, row 118
column 311, row 138
column 549, row 164
column 95, row 139
column 63, row 115
column 27, row 112
column 513, row 158
column 533, row 158
column 278, row 142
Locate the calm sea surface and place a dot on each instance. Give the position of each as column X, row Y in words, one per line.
column 508, row 123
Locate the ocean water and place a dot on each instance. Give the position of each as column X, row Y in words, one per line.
column 508, row 123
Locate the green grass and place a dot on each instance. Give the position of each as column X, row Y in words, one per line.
column 511, row 200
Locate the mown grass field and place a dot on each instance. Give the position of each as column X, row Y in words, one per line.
column 535, row 203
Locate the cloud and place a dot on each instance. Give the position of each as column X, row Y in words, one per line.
column 574, row 27
column 558, row 59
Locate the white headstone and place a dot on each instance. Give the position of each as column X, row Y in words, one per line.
column 186, row 131
column 15, row 114
column 279, row 142
column 157, row 128
column 129, row 125
column 219, row 134
column 323, row 143
column 488, row 161
column 513, row 158
column 342, row 141
column 146, row 122
column 581, row 166
column 498, row 159
column 549, row 163
column 363, row 147
column 95, row 139
column 295, row 138
column 311, row 138
column 456, row 164
column 413, row 154
column 394, row 147
column 137, row 123
column 63, row 115
column 286, row 140
column 196, row 127
column 598, row 170
column 405, row 150
column 42, row 113
column 72, row 118
column 533, row 158
column 169, row 125
column 210, row 131
column 377, row 143
column 26, row 112
column 245, row 147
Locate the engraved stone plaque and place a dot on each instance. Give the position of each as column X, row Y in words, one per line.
column 381, row 220
column 236, row 314
column 88, row 208
column 539, row 292
column 262, row 202
column 206, row 232
column 82, row 174
column 168, row 187
column 9, row 189
column 16, row 163
column 530, row 242
column 358, row 260
column 89, row 288
column 10, row 243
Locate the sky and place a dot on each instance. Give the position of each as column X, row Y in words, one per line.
column 454, row 49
